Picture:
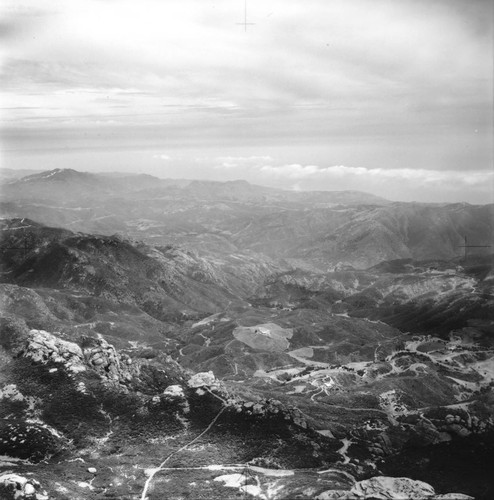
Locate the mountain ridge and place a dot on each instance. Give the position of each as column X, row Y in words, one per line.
column 67, row 174
column 322, row 229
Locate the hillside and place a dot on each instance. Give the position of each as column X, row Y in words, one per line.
column 165, row 282
column 240, row 374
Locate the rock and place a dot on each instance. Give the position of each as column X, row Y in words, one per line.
column 391, row 488
column 300, row 421
column 18, row 487
column 335, row 495
column 258, row 409
column 29, row 489
column 42, row 346
column 453, row 496
column 92, row 470
column 425, row 433
column 384, row 442
column 444, row 437
column 11, row 393
column 175, row 391
column 202, row 379
column 376, row 451
column 458, row 429
column 104, row 359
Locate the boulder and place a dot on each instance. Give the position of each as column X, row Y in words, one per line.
column 11, row 392
column 202, row 379
column 104, row 359
column 457, row 429
column 425, row 433
column 175, row 391
column 18, row 487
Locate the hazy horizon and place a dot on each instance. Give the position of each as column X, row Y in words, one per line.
column 29, row 172
column 393, row 98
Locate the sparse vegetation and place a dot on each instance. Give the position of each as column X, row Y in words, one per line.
column 306, row 369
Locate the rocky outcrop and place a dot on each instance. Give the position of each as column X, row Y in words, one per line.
column 390, row 488
column 382, row 487
column 174, row 391
column 202, row 379
column 14, row 486
column 10, row 392
column 414, row 430
column 458, row 423
column 96, row 354
column 103, row 358
column 43, row 347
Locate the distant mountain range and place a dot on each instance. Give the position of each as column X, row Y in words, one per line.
column 318, row 230
column 46, row 185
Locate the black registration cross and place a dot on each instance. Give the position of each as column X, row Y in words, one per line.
column 466, row 246
column 26, row 248
column 245, row 23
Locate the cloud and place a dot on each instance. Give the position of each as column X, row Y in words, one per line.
column 233, row 162
column 400, row 87
column 163, row 157
column 418, row 175
column 395, row 183
column 244, row 159
column 333, row 50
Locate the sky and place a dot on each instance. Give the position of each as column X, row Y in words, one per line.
column 393, row 97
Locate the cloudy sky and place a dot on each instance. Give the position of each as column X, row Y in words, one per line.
column 388, row 96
